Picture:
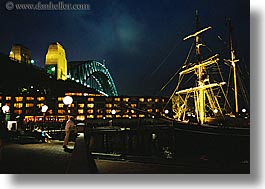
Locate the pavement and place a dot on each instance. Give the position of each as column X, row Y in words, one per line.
column 51, row 158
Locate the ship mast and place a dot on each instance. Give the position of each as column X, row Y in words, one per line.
column 200, row 106
column 233, row 62
column 203, row 90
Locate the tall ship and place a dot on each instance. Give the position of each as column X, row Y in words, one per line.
column 208, row 101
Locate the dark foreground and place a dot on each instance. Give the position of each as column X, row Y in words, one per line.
column 51, row 158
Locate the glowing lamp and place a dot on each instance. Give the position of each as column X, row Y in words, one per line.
column 44, row 108
column 5, row 109
column 113, row 112
column 67, row 100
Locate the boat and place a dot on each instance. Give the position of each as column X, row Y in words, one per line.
column 206, row 103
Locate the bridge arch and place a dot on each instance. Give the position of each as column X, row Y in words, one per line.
column 92, row 74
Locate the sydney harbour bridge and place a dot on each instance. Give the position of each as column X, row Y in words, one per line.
column 92, row 74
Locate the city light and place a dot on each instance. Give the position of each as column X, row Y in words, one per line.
column 32, row 61
column 113, row 112
column 44, row 108
column 215, row 111
column 67, row 100
column 5, row 109
column 244, row 110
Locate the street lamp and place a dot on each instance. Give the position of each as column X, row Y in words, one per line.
column 5, row 109
column 44, row 109
column 67, row 100
column 113, row 112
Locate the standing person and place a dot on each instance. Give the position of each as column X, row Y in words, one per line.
column 68, row 127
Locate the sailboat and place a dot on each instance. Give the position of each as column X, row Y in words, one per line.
column 202, row 104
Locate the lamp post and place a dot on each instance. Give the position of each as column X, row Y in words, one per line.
column 44, row 109
column 67, row 100
column 113, row 112
column 5, row 109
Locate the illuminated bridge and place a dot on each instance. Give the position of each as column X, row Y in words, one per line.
column 92, row 74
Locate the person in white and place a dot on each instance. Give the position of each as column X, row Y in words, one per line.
column 68, row 127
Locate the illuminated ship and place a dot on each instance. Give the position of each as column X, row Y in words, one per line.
column 207, row 103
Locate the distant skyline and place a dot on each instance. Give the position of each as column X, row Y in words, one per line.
column 141, row 42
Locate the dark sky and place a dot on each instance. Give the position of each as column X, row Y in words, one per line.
column 141, row 41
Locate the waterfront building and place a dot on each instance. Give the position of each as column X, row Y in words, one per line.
column 93, row 108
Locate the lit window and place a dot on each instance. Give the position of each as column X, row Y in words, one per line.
column 141, row 115
column 108, row 105
column 117, row 99
column 8, row 97
column 90, row 116
column 29, row 105
column 133, row 105
column 29, row 98
column 149, row 100
column 108, row 116
column 157, row 110
column 141, row 99
column 149, row 110
column 99, row 116
column 60, row 105
column 41, row 98
column 60, row 98
column 108, row 111
column 157, row 100
column 125, row 116
column 125, row 99
column 40, row 105
column 60, row 111
column 19, row 98
column 80, row 117
column 81, row 105
column 90, row 105
column 18, row 111
column 90, row 99
column 90, row 111
column 0, row 97
column 80, row 111
column 18, row 105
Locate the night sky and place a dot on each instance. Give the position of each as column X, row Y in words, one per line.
column 141, row 41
